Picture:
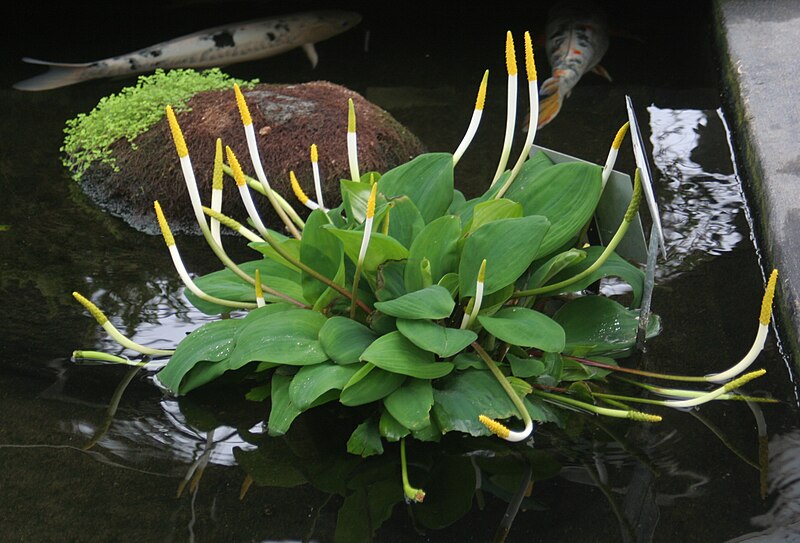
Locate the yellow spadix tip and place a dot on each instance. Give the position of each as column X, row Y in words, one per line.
column 314, row 154
column 530, row 64
column 238, row 174
column 162, row 223
column 633, row 207
column 259, row 289
column 244, row 112
column 769, row 295
column 744, row 379
column 216, row 179
column 177, row 135
column 351, row 116
column 298, row 191
column 511, row 57
column 231, row 223
column 480, row 102
column 495, row 427
column 617, row 143
column 93, row 309
column 482, row 272
column 643, row 417
column 371, row 201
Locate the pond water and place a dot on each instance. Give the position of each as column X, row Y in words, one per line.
column 689, row 478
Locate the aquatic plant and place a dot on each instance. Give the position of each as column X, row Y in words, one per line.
column 133, row 111
column 435, row 313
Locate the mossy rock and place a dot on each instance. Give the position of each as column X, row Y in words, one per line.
column 288, row 119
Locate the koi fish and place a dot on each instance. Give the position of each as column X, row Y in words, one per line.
column 577, row 39
column 214, row 47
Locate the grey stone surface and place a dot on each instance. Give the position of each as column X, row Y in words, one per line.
column 759, row 44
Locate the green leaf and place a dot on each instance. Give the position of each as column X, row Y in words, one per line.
column 567, row 194
column 291, row 246
column 405, row 221
column 596, row 325
column 354, row 199
column 212, row 342
column 381, row 247
column 365, row 440
column 410, row 404
column 547, row 270
column 432, row 337
column 376, row 385
column 287, row 338
column 388, row 280
column 526, row 328
column 438, row 243
column 344, row 339
column 525, row 367
column 492, row 210
column 508, row 245
column 311, row 382
column 283, row 411
column 396, row 354
column 433, row 302
column 390, row 428
column 427, row 180
column 322, row 252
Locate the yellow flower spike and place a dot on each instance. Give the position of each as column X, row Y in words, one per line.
column 495, row 427
column 613, row 152
column 314, row 153
column 717, row 392
column 162, row 223
column 769, row 295
column 244, row 192
column 259, row 290
column 298, row 191
column 233, row 162
column 216, row 179
column 511, row 111
column 216, row 191
column 474, row 122
column 233, row 224
column 764, row 319
column 639, row 416
column 317, row 178
column 244, row 111
column 352, row 141
column 351, row 116
column 362, row 253
column 177, row 135
column 533, row 117
column 112, row 331
column 371, row 201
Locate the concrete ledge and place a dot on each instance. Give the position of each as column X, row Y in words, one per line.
column 759, row 49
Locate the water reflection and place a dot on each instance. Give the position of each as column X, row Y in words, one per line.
column 699, row 194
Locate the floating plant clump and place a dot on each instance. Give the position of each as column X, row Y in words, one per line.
column 429, row 312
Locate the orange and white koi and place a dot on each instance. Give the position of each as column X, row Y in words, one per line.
column 577, row 39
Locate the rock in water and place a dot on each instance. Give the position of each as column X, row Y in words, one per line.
column 287, row 119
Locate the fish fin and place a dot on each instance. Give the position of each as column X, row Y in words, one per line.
column 58, row 75
column 602, row 72
column 311, row 53
column 549, row 108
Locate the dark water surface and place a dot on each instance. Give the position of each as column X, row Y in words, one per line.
column 685, row 479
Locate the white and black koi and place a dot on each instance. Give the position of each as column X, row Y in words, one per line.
column 577, row 38
column 214, row 47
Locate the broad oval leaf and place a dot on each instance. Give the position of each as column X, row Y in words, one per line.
column 381, row 247
column 311, row 382
column 321, row 251
column 596, row 325
column 526, row 328
column 493, row 210
column 391, row 428
column 282, row 411
column 405, row 221
column 508, row 245
column 344, row 339
column 396, row 354
column 433, row 302
column 376, row 385
column 438, row 243
column 443, row 341
column 410, row 404
column 290, row 337
column 427, row 180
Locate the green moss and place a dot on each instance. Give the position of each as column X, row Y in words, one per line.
column 133, row 111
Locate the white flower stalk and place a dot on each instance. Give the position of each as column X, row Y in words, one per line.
column 244, row 192
column 362, row 253
column 470, row 316
column 613, row 152
column 113, row 332
column 352, row 141
column 717, row 392
column 533, row 121
column 472, row 129
column 503, row 431
column 761, row 336
column 216, row 192
column 260, row 302
column 298, row 192
column 511, row 111
column 186, row 167
column 252, row 146
column 256, row 185
column 234, row 225
column 184, row 275
column 317, row 178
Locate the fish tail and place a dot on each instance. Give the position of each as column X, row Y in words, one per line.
column 57, row 75
column 550, row 105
